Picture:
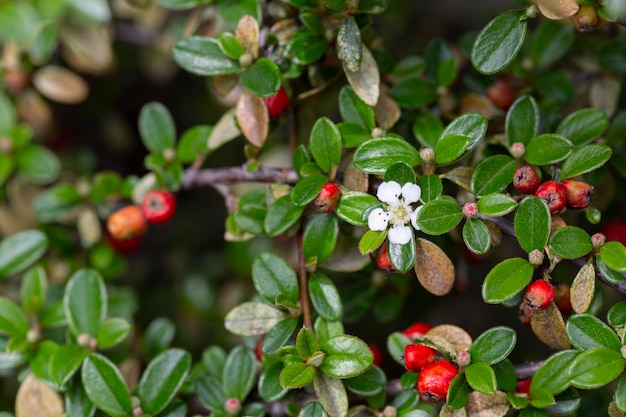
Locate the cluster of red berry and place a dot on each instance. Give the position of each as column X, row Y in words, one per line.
column 558, row 195
column 127, row 225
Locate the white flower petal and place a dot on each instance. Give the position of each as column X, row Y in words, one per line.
column 378, row 219
column 400, row 234
column 411, row 193
column 413, row 217
column 388, row 192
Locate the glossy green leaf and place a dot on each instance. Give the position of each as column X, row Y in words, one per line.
column 7, row 165
column 210, row 392
column 505, row 375
column 34, row 289
column 307, row 189
column 95, row 11
column 371, row 240
column 476, row 236
column 281, row 216
column 492, row 175
column 306, row 47
column 325, row 297
column 239, row 373
column 252, row 319
column 613, row 254
column 378, row 154
column 13, row 320
column 494, row 345
column 481, row 378
column 105, row 386
column 269, row 383
column 447, row 72
column 325, row 329
column 306, row 344
column 457, row 392
column 522, row 120
column 413, row 93
column 261, row 78
column 610, row 275
column 506, row 279
column 570, row 242
column 354, row 110
column 353, row 134
column 38, row 164
column 77, row 404
column 616, row 316
column 547, row 149
column 438, row 217
column 402, row 257
column 272, row 277
column 496, row 204
column 331, row 394
column 349, row 47
column 551, row 41
column 450, row 148
column 373, row 6
column 203, row 56
column 431, row 187
column 320, row 237
column 326, row 144
column 230, row 45
column 620, row 393
column 586, row 332
column 156, row 127
column 400, row 173
column 162, row 378
column 499, row 42
column 296, row 375
column 278, row 335
column 64, row 363
column 312, row 409
column 583, row 126
column 193, row 143
column 595, row 368
column 336, row 5
column 472, row 125
column 585, row 159
column 353, row 207
column 427, row 129
column 85, row 302
column 553, row 374
column 346, row 356
column 112, row 332
column 370, row 382
column 532, row 224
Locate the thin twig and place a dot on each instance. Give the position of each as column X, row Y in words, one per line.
column 304, row 286
column 209, row 177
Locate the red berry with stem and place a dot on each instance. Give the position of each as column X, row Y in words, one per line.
column 127, row 223
column 526, row 179
column 328, row 197
column 417, row 329
column 417, row 357
column 434, row 380
column 277, row 104
column 577, row 193
column 539, row 294
column 378, row 355
column 501, row 94
column 158, row 206
column 553, row 194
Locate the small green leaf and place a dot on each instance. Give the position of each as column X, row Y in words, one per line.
column 431, row 187
column 203, row 56
column 325, row 297
column 346, row 356
column 312, row 409
column 353, row 206
column 159, row 335
column 370, row 382
column 105, row 386
column 532, row 223
column 553, row 374
column 499, row 42
column 353, row 134
column 551, row 41
column 17, row 21
column 427, row 129
column 156, row 127
column 279, row 335
column 506, row 279
column 34, row 289
column 400, row 173
column 306, row 344
column 613, row 254
column 595, row 368
column 336, row 5
column 476, row 236
column 450, row 148
column 505, row 375
column 378, row 154
column 331, row 394
column 413, row 93
column 252, row 319
column 616, row 315
column 494, row 345
column 307, row 189
column 320, row 237
column 349, row 47
column 262, row 78
column 481, row 378
column 371, row 240
column 457, row 393
column 570, row 242
column 193, row 143
column 547, row 149
column 64, row 363
column 620, row 393
column 38, row 164
column 496, row 205
column 239, row 373
column 472, row 125
column 269, row 383
column 232, row 11
column 112, row 332
column 586, row 332
column 210, row 393
column 230, row 45
column 296, row 375
column 492, row 175
column 402, row 257
column 162, row 378
column 438, row 217
column 56, row 201
column 522, row 120
column 373, row 6
column 583, row 126
column 85, row 302
column 77, row 404
column 585, row 159
column 281, row 216
column 273, row 277
column 179, row 4
column 354, row 110
column 306, row 47
column 13, row 321
column 325, row 144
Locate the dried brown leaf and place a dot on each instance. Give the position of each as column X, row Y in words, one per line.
column 365, row 81
column 434, row 270
column 284, row 30
column 457, row 337
column 583, row 287
column 556, row 223
column 549, row 327
column 614, row 411
column 253, row 118
column 387, row 112
column 224, row 84
column 355, row 180
column 35, row 111
column 558, row 9
column 86, row 48
column 446, row 411
column 247, row 33
column 482, row 405
column 131, row 371
column 475, row 103
column 60, row 85
column 36, row 399
column 461, row 176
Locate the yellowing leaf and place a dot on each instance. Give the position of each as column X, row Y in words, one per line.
column 583, row 286
column 457, row 337
column 558, row 9
column 434, row 270
column 549, row 327
column 36, row 399
column 482, row 405
column 253, row 118
column 366, row 81
column 247, row 34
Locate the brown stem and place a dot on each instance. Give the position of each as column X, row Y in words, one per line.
column 304, row 285
column 209, row 177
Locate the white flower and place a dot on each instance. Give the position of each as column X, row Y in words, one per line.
column 398, row 211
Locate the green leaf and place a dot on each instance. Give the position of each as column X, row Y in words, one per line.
column 553, row 374
column 325, row 297
column 447, row 72
column 400, row 173
column 193, row 143
column 38, row 164
column 56, row 201
column 252, row 319
column 320, row 237
column 85, row 302
column 312, row 409
column 551, row 41
column 353, row 206
column 586, row 332
column 402, row 257
column 585, row 159
column 427, row 129
column 296, row 375
column 494, row 345
column 431, row 187
column 203, row 56
column 13, row 320
column 162, row 378
column 613, row 254
column 353, row 134
column 326, row 144
column 325, row 329
column 506, row 279
column 371, row 240
column 346, row 356
column 7, row 164
column 210, row 393
column 472, row 125
column 18, row 21
column 233, row 10
column 34, row 289
column 492, row 175
column 354, row 110
column 176, row 408
column 583, row 126
column 179, row 4
column 262, row 78
column 273, row 277
column 532, row 223
column 620, row 393
column 112, row 332
column 281, row 216
column 547, row 149
column 279, row 335
column 505, row 375
column 457, row 392
column 450, row 148
column 95, row 11
column 555, row 87
column 438, row 217
column 616, row 315
column 158, row 335
column 476, row 236
column 522, row 120
column 331, row 394
column 370, row 382
column 496, row 204
column 156, row 127
column 306, row 345
column 413, row 93
column 570, row 242
column 64, row 363
column 230, row 45
column 306, row 47
column 77, row 404
column 595, row 368
column 269, row 383
column 307, row 189
column 481, row 378
column 105, row 386
column 373, row 6
column 349, row 47
column 499, row 42
column 239, row 373
column 7, row 110
column 336, row 5
column 378, row 154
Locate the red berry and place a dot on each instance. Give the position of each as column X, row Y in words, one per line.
column 328, row 197
column 523, row 386
column 277, row 104
column 127, row 223
column 123, row 246
column 562, row 297
column 258, row 351
column 615, row 231
column 526, row 179
column 383, row 260
column 501, row 94
column 378, row 355
column 578, row 193
column 434, row 380
column 417, row 357
column 158, row 206
column 417, row 329
column 554, row 195
column 539, row 294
